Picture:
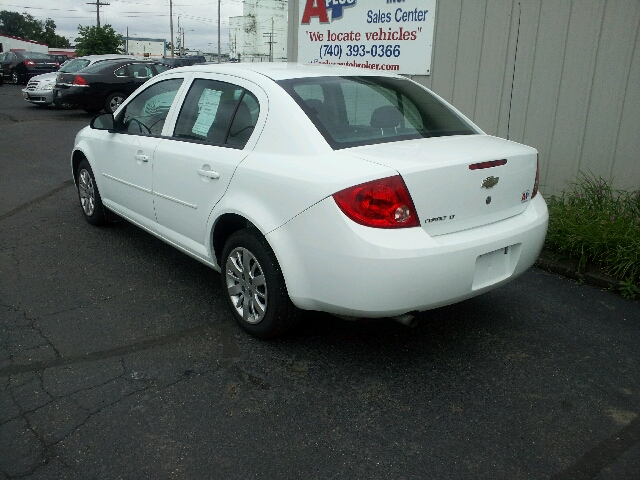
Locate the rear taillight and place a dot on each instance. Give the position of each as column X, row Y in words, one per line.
column 56, row 64
column 383, row 203
column 79, row 81
column 30, row 63
column 537, row 180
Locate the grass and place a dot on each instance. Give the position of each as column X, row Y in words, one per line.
column 594, row 223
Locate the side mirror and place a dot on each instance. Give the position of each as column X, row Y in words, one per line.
column 103, row 121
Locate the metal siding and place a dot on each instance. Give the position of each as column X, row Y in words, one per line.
column 626, row 164
column 546, row 76
column 575, row 90
column 493, row 64
column 467, row 62
column 524, row 69
column 444, row 58
column 613, row 61
column 507, row 77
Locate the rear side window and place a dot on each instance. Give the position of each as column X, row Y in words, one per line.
column 218, row 113
column 74, row 65
column 147, row 112
column 36, row 56
column 161, row 68
column 353, row 111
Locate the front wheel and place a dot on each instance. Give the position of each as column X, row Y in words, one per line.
column 254, row 286
column 90, row 199
column 113, row 101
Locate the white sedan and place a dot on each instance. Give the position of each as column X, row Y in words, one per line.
column 322, row 188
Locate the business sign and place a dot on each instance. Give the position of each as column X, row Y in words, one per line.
column 384, row 35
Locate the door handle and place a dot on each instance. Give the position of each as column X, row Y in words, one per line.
column 141, row 158
column 208, row 173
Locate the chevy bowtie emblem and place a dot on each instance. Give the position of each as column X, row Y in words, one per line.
column 490, row 182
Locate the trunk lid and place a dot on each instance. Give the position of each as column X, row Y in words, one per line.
column 448, row 195
column 44, row 66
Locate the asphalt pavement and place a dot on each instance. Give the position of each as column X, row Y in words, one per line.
column 119, row 359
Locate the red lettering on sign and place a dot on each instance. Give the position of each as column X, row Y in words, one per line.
column 315, row 8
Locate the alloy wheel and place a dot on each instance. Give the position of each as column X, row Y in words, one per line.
column 115, row 102
column 87, row 192
column 246, row 285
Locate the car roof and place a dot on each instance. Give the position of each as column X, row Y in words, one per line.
column 286, row 70
column 106, row 56
column 124, row 61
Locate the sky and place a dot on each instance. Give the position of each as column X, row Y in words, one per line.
column 143, row 18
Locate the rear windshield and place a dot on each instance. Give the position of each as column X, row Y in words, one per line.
column 74, row 65
column 353, row 111
column 37, row 56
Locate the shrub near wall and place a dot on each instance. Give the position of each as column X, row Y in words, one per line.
column 595, row 223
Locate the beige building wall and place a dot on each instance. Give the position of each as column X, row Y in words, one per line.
column 560, row 75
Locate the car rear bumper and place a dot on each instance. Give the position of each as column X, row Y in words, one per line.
column 334, row 265
column 78, row 96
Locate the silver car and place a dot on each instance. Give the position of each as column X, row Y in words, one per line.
column 39, row 90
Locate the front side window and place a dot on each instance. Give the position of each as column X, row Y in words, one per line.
column 217, row 112
column 147, row 112
column 353, row 111
column 141, row 71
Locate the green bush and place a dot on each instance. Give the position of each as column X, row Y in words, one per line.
column 595, row 223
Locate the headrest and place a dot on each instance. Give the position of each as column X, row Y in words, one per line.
column 386, row 117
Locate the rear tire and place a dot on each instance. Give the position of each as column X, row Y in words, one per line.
column 89, row 196
column 15, row 77
column 254, row 287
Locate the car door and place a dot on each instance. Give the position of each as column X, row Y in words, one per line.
column 127, row 170
column 192, row 169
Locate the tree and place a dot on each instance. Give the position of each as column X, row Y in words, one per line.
column 98, row 40
column 27, row 27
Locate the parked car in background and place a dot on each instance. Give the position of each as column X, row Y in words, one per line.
column 59, row 58
column 184, row 61
column 39, row 90
column 104, row 85
column 18, row 67
column 342, row 190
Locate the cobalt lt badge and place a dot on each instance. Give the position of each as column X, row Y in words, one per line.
column 490, row 182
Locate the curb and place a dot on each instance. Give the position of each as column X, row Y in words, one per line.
column 558, row 263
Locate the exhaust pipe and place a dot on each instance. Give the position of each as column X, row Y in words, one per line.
column 406, row 319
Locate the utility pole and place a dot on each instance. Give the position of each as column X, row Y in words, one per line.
column 218, row 31
column 171, row 25
column 98, row 4
column 179, row 39
column 270, row 42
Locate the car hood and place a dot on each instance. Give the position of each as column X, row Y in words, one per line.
column 45, row 77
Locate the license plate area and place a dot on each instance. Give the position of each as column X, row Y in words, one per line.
column 495, row 266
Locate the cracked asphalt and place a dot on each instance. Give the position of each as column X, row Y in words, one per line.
column 119, row 360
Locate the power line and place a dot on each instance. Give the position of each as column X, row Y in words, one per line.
column 98, row 4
